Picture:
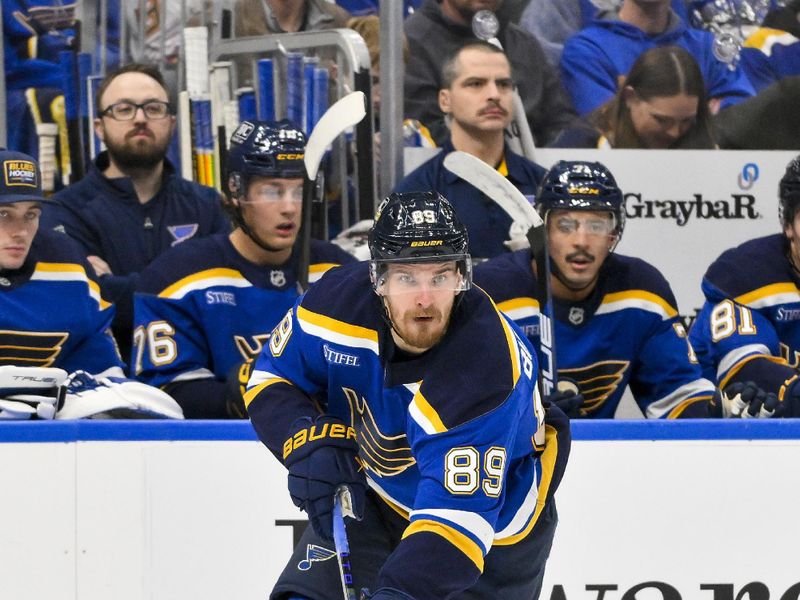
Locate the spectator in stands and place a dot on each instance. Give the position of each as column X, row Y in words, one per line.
column 597, row 57
column 132, row 205
column 258, row 17
column 477, row 86
column 661, row 104
column 748, row 330
column 439, row 28
column 212, row 302
column 552, row 22
column 615, row 320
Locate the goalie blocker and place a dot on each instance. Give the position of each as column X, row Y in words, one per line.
column 46, row 393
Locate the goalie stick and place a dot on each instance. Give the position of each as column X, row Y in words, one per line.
column 499, row 189
column 342, row 508
column 344, row 113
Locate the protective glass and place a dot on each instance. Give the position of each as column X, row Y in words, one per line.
column 126, row 111
column 590, row 225
column 272, row 193
column 437, row 274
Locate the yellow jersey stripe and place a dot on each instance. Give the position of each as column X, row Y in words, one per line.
column 250, row 394
column 429, row 413
column 464, row 543
column 336, row 326
column 44, row 267
column 198, row 277
column 642, row 295
column 548, row 459
column 761, row 293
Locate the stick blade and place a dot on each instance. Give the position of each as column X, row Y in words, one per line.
column 344, row 113
column 482, row 176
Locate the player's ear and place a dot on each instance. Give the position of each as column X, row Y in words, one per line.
column 444, row 100
column 99, row 130
column 234, row 188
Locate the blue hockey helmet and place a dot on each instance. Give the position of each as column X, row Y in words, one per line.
column 267, row 149
column 581, row 185
column 418, row 227
column 789, row 192
column 21, row 180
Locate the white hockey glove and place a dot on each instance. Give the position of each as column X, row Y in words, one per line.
column 354, row 239
column 30, row 392
column 88, row 397
column 517, row 238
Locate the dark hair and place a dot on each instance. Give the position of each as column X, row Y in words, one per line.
column 450, row 70
column 659, row 72
column 149, row 70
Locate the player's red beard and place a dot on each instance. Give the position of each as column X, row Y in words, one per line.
column 137, row 152
column 419, row 327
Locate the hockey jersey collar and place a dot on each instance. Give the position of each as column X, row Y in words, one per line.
column 122, row 187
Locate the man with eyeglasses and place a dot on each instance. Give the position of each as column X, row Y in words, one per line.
column 133, row 205
column 616, row 323
column 206, row 307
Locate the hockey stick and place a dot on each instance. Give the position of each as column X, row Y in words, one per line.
column 485, row 26
column 499, row 189
column 344, row 113
column 341, row 508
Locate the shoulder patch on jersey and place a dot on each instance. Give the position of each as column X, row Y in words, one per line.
column 507, row 276
column 520, row 308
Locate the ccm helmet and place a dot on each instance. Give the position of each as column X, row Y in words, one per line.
column 418, row 227
column 580, row 185
column 789, row 192
column 265, row 148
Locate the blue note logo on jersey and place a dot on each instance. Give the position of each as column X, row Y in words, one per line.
column 385, row 455
column 181, row 233
column 597, row 382
column 314, row 554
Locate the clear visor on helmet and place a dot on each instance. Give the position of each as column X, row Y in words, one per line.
column 272, row 191
column 434, row 274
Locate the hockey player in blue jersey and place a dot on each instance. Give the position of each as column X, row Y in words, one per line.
column 56, row 348
column 36, row 267
column 206, row 306
column 615, row 317
column 749, row 327
column 402, row 381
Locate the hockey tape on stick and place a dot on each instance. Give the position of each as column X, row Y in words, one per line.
column 343, row 114
column 185, row 132
column 47, row 134
column 499, row 189
column 342, row 507
column 195, row 40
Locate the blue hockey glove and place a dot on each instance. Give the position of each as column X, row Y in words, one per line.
column 568, row 401
column 322, row 454
column 385, row 594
